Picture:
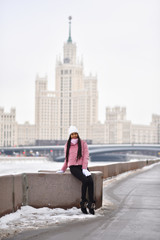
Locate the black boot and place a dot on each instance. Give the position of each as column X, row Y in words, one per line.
column 91, row 207
column 84, row 206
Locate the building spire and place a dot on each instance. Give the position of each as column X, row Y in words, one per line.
column 69, row 38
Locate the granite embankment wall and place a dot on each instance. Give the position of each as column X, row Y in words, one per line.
column 49, row 189
column 44, row 189
column 114, row 169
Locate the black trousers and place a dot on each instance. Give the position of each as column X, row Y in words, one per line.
column 87, row 182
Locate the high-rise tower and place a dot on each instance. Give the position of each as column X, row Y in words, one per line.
column 75, row 101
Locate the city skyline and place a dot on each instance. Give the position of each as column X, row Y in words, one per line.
column 115, row 46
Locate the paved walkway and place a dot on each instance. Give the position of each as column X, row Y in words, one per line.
column 133, row 213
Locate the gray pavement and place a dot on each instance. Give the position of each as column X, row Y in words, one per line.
column 134, row 213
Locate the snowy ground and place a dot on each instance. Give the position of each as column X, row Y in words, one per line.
column 31, row 218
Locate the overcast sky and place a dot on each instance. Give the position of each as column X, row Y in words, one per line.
column 119, row 41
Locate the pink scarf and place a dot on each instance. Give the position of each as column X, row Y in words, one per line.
column 74, row 141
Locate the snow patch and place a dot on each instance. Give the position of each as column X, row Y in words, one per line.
column 31, row 218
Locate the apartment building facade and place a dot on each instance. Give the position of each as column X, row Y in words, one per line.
column 118, row 130
column 8, row 128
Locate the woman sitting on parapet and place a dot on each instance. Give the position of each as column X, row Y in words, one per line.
column 76, row 158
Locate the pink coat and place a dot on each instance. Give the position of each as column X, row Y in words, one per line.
column 72, row 157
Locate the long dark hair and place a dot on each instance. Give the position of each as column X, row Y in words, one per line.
column 79, row 152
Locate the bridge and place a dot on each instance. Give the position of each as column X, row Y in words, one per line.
column 119, row 151
column 56, row 153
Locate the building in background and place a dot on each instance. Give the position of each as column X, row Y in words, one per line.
column 118, row 130
column 8, row 128
column 14, row 134
column 98, row 133
column 143, row 134
column 46, row 111
column 25, row 134
column 156, row 125
column 74, row 102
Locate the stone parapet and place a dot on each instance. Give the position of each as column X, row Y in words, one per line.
column 44, row 190
column 114, row 169
column 53, row 190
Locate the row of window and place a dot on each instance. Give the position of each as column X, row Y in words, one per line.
column 7, row 126
column 7, row 143
column 66, row 71
column 7, row 116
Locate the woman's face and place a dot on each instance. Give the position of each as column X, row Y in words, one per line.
column 74, row 135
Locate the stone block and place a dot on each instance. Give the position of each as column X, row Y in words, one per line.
column 58, row 190
column 103, row 169
column 18, row 191
column 6, row 194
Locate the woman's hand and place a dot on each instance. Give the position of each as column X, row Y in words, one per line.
column 86, row 172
